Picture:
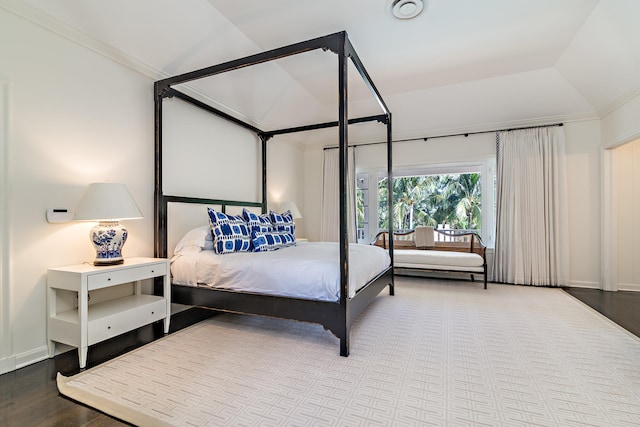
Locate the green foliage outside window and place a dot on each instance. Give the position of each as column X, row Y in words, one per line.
column 360, row 207
column 455, row 200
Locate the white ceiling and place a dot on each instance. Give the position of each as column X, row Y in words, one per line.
column 462, row 65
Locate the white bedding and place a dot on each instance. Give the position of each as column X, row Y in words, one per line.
column 309, row 270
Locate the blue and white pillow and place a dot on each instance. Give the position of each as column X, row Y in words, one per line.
column 271, row 240
column 283, row 222
column 230, row 233
column 257, row 223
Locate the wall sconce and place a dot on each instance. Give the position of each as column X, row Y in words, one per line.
column 108, row 203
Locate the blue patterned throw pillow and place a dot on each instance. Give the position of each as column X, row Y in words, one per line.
column 230, row 233
column 257, row 223
column 271, row 240
column 283, row 222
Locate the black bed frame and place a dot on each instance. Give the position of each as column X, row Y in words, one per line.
column 334, row 316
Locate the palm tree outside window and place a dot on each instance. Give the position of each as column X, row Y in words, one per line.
column 444, row 201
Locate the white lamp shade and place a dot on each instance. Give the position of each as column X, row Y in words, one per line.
column 291, row 207
column 107, row 201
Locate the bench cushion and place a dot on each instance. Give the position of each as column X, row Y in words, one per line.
column 438, row 260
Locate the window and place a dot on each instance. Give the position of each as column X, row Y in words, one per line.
column 362, row 205
column 442, row 196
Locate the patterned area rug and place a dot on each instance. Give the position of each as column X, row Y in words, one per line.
column 437, row 353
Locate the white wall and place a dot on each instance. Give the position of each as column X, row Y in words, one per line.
column 621, row 179
column 584, row 200
column 203, row 154
column 312, row 194
column 285, row 178
column 75, row 117
column 414, row 153
column 627, row 177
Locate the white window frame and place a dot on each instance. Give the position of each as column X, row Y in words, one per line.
column 485, row 166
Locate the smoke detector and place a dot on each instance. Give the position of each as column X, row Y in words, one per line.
column 406, row 9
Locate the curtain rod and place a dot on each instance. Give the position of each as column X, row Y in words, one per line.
column 465, row 134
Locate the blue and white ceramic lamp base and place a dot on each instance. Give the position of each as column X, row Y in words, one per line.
column 108, row 238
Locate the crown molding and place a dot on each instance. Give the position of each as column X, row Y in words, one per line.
column 621, row 139
column 48, row 22
column 620, row 101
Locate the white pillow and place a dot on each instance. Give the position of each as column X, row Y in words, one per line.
column 199, row 237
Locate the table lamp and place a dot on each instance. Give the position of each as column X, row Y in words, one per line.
column 107, row 203
column 291, row 207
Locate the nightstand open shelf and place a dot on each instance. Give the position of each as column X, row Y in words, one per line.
column 88, row 324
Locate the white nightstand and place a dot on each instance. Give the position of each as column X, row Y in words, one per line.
column 82, row 324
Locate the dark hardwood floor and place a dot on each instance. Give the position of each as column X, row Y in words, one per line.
column 623, row 307
column 29, row 396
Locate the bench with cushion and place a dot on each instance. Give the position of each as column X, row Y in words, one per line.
column 453, row 251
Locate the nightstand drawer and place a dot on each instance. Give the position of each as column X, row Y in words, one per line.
column 115, row 277
column 115, row 317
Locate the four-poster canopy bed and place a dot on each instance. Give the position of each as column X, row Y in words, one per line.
column 336, row 316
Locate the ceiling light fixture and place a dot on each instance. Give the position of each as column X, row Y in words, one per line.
column 406, row 9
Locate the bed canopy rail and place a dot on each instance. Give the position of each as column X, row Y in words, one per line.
column 384, row 119
column 337, row 43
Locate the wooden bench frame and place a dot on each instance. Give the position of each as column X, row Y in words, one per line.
column 460, row 241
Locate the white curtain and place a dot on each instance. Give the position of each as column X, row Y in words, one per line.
column 531, row 215
column 330, row 224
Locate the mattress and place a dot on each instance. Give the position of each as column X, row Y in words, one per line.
column 309, row 270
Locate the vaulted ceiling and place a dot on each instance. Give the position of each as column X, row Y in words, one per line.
column 462, row 65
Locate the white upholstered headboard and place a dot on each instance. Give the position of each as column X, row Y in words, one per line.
column 182, row 217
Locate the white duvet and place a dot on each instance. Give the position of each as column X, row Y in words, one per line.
column 309, row 270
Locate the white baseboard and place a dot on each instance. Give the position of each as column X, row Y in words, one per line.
column 7, row 364
column 11, row 363
column 629, row 287
column 30, row 357
column 634, row 287
column 583, row 284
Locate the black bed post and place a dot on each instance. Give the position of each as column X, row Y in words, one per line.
column 343, row 168
column 160, row 207
column 389, row 197
column 160, row 226
column 263, row 140
column 387, row 119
